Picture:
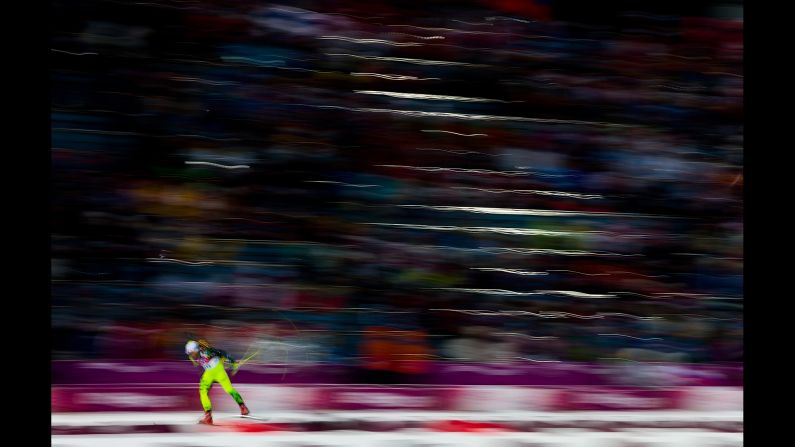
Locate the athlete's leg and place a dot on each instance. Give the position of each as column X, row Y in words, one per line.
column 204, row 387
column 223, row 378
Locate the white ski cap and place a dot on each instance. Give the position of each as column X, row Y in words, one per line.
column 191, row 346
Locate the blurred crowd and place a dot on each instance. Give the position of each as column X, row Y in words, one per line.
column 375, row 185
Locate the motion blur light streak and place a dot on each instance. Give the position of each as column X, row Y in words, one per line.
column 512, row 271
column 454, row 133
column 394, row 77
column 207, row 163
column 474, row 23
column 535, row 292
column 582, row 273
column 512, row 19
column 204, row 137
column 454, row 151
column 499, row 230
column 630, row 336
column 547, row 314
column 179, row 261
column 407, row 60
column 201, row 81
column 637, row 274
column 527, row 212
column 551, row 251
column 341, row 183
column 415, row 36
column 74, row 54
column 472, row 171
column 538, row 360
column 468, row 116
column 532, row 191
column 376, row 41
column 426, row 96
column 424, row 27
column 530, row 337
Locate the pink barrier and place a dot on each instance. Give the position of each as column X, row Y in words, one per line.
column 459, row 398
column 376, row 398
column 102, row 398
column 619, row 399
column 66, row 372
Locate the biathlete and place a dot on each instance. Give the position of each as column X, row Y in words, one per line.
column 214, row 362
